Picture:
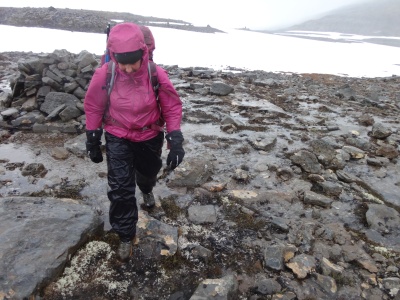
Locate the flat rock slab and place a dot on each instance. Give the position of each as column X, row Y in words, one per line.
column 37, row 238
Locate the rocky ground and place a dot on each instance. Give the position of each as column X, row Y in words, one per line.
column 289, row 189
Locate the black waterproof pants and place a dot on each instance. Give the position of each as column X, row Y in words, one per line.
column 130, row 163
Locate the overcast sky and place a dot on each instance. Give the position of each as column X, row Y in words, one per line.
column 253, row 14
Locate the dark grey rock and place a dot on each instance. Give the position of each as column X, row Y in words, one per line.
column 220, row 89
column 29, row 224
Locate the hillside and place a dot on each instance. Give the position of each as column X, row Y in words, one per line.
column 374, row 18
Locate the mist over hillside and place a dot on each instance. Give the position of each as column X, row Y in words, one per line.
column 373, row 18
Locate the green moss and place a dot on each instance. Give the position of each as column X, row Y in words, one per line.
column 342, row 280
column 170, row 208
column 243, row 220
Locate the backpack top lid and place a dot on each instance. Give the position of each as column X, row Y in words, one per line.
column 149, row 40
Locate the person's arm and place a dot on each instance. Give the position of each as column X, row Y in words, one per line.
column 170, row 102
column 95, row 103
column 171, row 109
column 96, row 99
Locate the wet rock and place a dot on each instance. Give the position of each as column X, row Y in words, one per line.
column 366, row 120
column 382, row 218
column 380, row 131
column 29, row 223
column 9, row 113
column 5, row 99
column 317, row 199
column 346, row 92
column 392, row 284
column 265, row 143
column 30, row 104
column 28, row 120
column 204, row 214
column 201, row 252
column 324, row 150
column 223, row 289
column 285, row 173
column 193, row 173
column 54, row 100
column 368, row 264
column 330, row 188
column 354, row 152
column 307, row 161
column 302, row 265
column 359, row 143
column 220, row 89
column 34, row 169
column 267, row 286
column 284, row 296
column 328, row 284
column 155, row 238
column 387, row 151
column 276, row 255
column 59, row 153
column 241, row 175
column 378, row 161
column 330, row 269
column 280, row 223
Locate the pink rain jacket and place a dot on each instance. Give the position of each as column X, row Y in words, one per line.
column 132, row 107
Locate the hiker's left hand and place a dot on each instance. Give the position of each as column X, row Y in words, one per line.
column 175, row 156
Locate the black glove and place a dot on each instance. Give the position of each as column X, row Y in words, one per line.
column 93, row 145
column 176, row 153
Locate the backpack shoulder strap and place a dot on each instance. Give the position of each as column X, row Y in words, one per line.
column 110, row 77
column 153, row 77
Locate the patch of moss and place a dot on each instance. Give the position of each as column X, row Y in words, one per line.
column 342, row 280
column 243, row 220
column 174, row 262
column 170, row 208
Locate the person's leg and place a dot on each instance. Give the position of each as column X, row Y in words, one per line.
column 121, row 180
column 148, row 162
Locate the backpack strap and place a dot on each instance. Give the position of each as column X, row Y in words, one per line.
column 153, row 77
column 110, row 77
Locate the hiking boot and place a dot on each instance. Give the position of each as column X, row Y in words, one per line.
column 149, row 200
column 125, row 251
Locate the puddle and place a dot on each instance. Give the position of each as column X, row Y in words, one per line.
column 16, row 153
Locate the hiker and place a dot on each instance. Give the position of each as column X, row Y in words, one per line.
column 133, row 121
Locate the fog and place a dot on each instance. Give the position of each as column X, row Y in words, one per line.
column 223, row 14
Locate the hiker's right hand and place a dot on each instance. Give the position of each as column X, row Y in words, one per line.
column 93, row 145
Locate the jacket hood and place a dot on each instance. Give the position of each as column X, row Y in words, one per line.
column 126, row 37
